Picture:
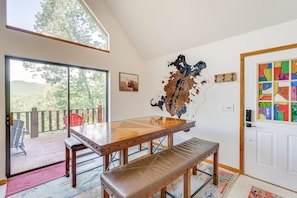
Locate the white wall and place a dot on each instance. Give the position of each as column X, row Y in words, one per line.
column 221, row 57
column 122, row 58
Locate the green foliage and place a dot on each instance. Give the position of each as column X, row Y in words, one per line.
column 70, row 20
column 25, row 95
column 87, row 87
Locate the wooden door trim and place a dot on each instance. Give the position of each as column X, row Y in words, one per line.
column 242, row 120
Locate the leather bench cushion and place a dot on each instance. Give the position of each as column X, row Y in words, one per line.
column 149, row 173
column 74, row 144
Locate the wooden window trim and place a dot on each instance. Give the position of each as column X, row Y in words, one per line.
column 55, row 38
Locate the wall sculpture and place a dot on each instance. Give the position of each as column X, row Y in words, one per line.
column 182, row 86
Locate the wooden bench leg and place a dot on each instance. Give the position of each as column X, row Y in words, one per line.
column 73, row 168
column 215, row 168
column 194, row 171
column 187, row 183
column 67, row 165
column 104, row 193
column 163, row 192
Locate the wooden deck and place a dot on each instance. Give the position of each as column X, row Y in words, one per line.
column 41, row 151
column 50, row 149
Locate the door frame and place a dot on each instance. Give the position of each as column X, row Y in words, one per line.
column 242, row 91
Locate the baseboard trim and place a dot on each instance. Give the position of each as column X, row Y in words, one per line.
column 235, row 170
column 3, row 181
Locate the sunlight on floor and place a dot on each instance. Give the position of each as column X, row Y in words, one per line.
column 243, row 184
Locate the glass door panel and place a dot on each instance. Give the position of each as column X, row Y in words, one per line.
column 88, row 95
column 37, row 105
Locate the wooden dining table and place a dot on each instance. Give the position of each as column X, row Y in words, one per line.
column 108, row 137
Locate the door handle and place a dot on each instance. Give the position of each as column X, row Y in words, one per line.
column 9, row 119
column 248, row 117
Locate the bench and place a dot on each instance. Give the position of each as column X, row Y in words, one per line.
column 72, row 145
column 146, row 176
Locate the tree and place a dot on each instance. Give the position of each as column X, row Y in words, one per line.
column 87, row 87
column 70, row 20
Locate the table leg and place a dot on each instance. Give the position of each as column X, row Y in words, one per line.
column 215, row 168
column 150, row 147
column 105, row 162
column 124, row 156
column 170, row 140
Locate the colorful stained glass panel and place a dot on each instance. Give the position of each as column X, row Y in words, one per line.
column 281, row 111
column 265, row 111
column 294, row 112
column 281, row 70
column 265, row 72
column 294, row 90
column 294, row 69
column 265, row 91
column 277, row 91
column 281, row 91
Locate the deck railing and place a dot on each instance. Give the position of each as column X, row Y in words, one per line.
column 39, row 122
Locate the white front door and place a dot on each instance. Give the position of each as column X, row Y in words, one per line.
column 270, row 151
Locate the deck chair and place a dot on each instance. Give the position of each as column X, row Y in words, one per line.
column 74, row 120
column 17, row 133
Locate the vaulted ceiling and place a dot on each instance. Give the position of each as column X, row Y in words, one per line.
column 161, row 27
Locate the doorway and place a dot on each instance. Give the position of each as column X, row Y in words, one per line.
column 268, row 135
column 39, row 97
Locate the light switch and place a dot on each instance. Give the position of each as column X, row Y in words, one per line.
column 229, row 107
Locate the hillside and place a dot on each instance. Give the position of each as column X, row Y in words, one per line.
column 27, row 89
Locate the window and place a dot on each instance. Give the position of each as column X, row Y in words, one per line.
column 66, row 20
column 277, row 91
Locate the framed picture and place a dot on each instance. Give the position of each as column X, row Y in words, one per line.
column 128, row 82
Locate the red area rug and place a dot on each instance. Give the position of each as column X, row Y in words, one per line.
column 260, row 193
column 29, row 180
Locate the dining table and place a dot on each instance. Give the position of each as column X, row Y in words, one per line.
column 113, row 136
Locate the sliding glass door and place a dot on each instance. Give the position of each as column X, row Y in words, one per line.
column 87, row 95
column 43, row 99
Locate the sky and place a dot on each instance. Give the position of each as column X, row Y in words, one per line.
column 17, row 72
column 21, row 13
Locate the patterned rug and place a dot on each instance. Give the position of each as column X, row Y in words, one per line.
column 88, row 185
column 88, row 180
column 260, row 193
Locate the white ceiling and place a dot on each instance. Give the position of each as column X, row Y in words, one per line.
column 161, row 27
